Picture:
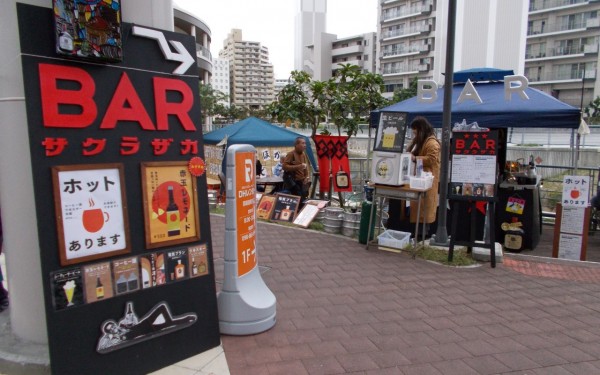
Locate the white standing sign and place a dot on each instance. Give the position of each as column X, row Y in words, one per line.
column 576, row 190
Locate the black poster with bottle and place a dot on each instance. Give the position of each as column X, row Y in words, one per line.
column 100, row 312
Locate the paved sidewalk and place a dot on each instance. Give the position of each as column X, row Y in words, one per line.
column 342, row 309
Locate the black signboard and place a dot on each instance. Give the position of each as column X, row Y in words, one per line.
column 122, row 308
column 391, row 132
column 474, row 164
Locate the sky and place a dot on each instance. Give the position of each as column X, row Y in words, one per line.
column 271, row 22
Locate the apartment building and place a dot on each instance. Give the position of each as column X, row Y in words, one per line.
column 251, row 74
column 360, row 50
column 185, row 22
column 319, row 53
column 561, row 56
column 220, row 78
column 412, row 38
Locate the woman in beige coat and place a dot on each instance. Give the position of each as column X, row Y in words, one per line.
column 425, row 145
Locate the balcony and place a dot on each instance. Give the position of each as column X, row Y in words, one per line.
column 413, row 31
column 349, row 50
column 546, row 5
column 402, row 69
column 561, row 77
column 411, row 12
column 562, row 52
column 412, row 50
column 592, row 23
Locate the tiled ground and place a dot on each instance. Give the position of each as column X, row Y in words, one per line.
column 342, row 309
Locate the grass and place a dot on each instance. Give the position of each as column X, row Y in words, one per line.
column 460, row 258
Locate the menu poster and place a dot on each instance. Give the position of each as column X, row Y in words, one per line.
column 152, row 269
column 126, row 273
column 198, row 260
column 391, row 132
column 569, row 246
column 307, row 215
column 67, row 288
column 97, row 279
column 285, row 207
column 177, row 265
column 474, row 163
column 575, row 191
column 572, row 220
column 265, row 207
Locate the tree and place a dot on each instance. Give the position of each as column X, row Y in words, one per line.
column 406, row 93
column 592, row 111
column 351, row 95
column 301, row 100
column 210, row 102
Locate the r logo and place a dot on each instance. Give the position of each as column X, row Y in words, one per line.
column 248, row 170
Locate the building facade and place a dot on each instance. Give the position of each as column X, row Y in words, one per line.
column 185, row 22
column 412, row 38
column 251, row 76
column 220, row 78
column 561, row 56
column 360, row 50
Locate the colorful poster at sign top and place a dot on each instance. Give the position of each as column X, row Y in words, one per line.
column 245, row 190
column 170, row 204
column 91, row 212
column 576, row 190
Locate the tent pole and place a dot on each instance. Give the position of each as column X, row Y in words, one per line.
column 441, row 235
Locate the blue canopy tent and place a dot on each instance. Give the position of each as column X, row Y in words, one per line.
column 539, row 111
column 257, row 132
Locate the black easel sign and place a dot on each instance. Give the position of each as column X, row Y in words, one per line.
column 391, row 132
column 114, row 303
column 474, row 164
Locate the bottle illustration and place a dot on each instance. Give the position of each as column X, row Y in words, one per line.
column 194, row 268
column 202, row 267
column 341, row 178
column 179, row 270
column 65, row 40
column 172, row 213
column 99, row 289
column 286, row 213
column 130, row 318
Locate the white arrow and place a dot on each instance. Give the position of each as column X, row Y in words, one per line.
column 182, row 54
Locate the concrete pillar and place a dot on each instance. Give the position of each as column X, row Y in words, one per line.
column 17, row 201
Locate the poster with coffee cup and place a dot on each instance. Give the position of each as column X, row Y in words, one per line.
column 90, row 209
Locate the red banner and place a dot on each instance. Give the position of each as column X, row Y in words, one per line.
column 332, row 152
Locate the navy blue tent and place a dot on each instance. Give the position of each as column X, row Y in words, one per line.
column 256, row 132
column 539, row 111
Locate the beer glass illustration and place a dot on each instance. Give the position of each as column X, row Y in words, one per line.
column 69, row 288
column 389, row 136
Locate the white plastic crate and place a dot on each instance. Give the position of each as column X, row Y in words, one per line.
column 421, row 182
column 394, row 238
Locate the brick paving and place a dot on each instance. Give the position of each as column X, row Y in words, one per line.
column 344, row 310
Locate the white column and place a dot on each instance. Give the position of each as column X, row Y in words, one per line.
column 17, row 201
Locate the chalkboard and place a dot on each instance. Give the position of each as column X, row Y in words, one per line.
column 391, row 132
column 285, row 208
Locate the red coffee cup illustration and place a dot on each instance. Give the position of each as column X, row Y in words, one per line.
column 94, row 219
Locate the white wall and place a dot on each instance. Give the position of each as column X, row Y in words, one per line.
column 20, row 232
